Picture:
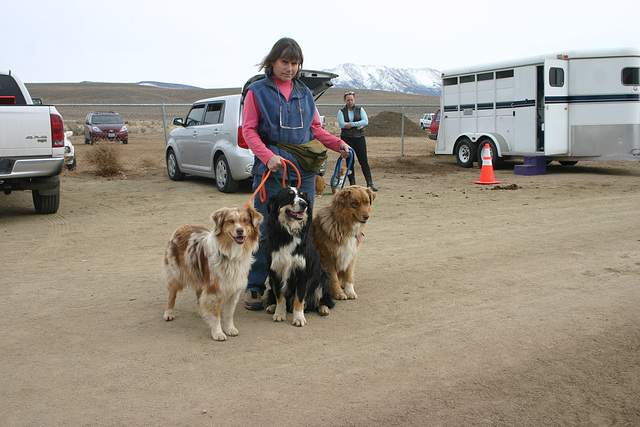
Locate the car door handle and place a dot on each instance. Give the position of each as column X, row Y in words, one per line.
column 216, row 132
column 195, row 133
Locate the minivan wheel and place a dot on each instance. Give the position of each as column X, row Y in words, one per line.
column 224, row 180
column 173, row 170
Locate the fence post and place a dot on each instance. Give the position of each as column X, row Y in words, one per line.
column 402, row 131
column 164, row 124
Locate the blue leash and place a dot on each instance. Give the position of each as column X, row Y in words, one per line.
column 336, row 173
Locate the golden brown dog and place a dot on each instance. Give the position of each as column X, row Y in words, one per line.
column 335, row 187
column 215, row 264
column 337, row 233
column 319, row 185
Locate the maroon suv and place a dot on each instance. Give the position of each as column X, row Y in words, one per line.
column 105, row 125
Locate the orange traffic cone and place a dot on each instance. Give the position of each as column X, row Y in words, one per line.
column 486, row 174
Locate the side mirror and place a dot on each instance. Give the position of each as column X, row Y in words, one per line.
column 178, row 121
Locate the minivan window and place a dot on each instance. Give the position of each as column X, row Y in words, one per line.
column 631, row 76
column 556, row 77
column 214, row 113
column 195, row 115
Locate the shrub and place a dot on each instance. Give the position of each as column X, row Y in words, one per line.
column 106, row 159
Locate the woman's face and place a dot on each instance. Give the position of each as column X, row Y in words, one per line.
column 350, row 100
column 285, row 68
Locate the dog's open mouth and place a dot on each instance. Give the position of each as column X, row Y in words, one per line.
column 239, row 239
column 296, row 215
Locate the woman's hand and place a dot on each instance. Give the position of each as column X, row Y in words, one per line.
column 344, row 150
column 275, row 163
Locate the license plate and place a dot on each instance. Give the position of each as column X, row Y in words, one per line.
column 112, row 135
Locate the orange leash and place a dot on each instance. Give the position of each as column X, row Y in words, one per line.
column 265, row 176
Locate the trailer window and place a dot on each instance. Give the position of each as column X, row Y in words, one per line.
column 556, row 77
column 485, row 76
column 450, row 81
column 505, row 74
column 468, row 79
column 631, row 76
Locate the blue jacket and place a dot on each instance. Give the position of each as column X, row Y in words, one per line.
column 295, row 115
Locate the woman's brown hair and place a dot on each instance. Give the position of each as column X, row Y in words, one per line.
column 286, row 48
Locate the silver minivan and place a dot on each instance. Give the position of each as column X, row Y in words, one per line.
column 209, row 141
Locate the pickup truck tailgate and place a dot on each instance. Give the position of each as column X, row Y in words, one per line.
column 25, row 130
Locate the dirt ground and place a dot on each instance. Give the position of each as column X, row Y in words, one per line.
column 476, row 306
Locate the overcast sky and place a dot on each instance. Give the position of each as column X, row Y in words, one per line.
column 217, row 43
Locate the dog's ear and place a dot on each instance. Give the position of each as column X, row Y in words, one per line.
column 256, row 217
column 343, row 196
column 372, row 195
column 218, row 217
column 271, row 205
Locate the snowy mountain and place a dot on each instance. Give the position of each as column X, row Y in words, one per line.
column 422, row 81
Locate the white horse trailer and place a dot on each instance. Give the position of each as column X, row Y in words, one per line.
column 578, row 105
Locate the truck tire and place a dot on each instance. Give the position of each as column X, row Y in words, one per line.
column 46, row 204
column 224, row 180
column 465, row 153
column 173, row 170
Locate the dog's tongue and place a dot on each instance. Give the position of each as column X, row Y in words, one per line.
column 239, row 240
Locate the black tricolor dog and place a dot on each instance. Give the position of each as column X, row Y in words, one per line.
column 296, row 280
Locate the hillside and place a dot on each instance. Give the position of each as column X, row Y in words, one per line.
column 131, row 93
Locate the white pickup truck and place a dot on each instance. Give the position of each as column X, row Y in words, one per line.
column 31, row 145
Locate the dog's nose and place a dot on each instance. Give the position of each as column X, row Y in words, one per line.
column 366, row 217
column 239, row 231
column 303, row 203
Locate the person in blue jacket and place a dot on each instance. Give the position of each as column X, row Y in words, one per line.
column 279, row 108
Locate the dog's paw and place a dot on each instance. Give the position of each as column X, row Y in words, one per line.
column 168, row 315
column 278, row 317
column 349, row 291
column 232, row 332
column 323, row 310
column 340, row 296
column 218, row 336
column 298, row 319
column 271, row 309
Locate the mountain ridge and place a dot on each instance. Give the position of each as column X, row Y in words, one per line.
column 419, row 81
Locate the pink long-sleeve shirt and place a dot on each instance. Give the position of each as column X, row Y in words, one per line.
column 252, row 115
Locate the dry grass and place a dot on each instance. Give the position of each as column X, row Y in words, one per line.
column 105, row 158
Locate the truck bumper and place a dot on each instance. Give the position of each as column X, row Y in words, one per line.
column 26, row 168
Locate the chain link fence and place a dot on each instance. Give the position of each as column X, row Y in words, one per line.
column 393, row 130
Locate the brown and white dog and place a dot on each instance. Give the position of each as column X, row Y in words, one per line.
column 337, row 233
column 215, row 263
